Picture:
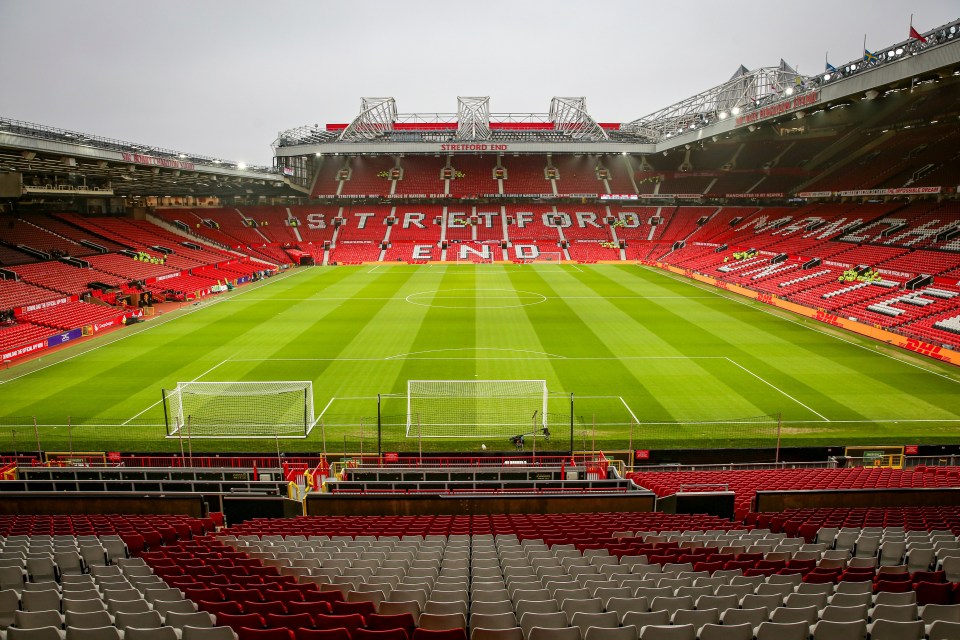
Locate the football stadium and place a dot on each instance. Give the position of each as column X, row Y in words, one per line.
column 495, row 375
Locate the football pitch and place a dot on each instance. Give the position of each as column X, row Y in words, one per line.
column 650, row 360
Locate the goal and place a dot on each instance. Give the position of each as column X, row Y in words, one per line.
column 554, row 257
column 476, row 408
column 239, row 409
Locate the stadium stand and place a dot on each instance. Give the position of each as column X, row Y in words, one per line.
column 13, row 335
column 71, row 315
column 370, row 576
column 369, row 175
column 473, row 176
column 526, row 175
column 14, row 293
column 746, row 483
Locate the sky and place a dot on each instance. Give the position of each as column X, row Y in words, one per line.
column 222, row 77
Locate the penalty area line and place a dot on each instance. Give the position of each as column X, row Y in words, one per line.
column 775, row 387
column 629, row 410
column 161, row 399
column 320, row 417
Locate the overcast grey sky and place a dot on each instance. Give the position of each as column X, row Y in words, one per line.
column 222, row 77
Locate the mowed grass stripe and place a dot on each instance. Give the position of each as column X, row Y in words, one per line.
column 669, row 378
column 448, row 328
column 687, row 325
column 562, row 332
column 853, row 383
column 355, row 333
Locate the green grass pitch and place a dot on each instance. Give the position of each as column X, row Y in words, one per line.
column 695, row 367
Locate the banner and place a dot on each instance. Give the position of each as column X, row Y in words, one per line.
column 780, row 108
column 20, row 351
column 44, row 305
column 169, row 163
column 755, row 195
column 73, row 334
column 902, row 191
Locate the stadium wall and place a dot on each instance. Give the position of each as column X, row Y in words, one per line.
column 414, row 505
column 777, row 501
column 65, row 503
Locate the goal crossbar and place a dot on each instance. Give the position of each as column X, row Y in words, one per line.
column 266, row 409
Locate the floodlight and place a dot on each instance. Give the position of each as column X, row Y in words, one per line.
column 735, row 111
column 826, row 76
column 241, row 165
column 789, row 91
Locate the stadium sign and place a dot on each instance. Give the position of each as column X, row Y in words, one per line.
column 168, row 163
column 780, row 108
column 474, row 147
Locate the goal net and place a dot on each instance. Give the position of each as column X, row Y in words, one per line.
column 549, row 257
column 239, row 409
column 472, row 408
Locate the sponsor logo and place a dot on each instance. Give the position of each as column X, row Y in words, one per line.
column 720, row 284
column 104, row 325
column 765, row 298
column 924, row 348
column 828, row 318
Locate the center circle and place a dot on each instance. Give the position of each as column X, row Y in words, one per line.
column 475, row 298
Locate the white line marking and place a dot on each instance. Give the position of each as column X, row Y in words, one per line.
column 336, row 298
column 629, row 410
column 161, row 399
column 735, row 298
column 319, row 417
column 153, row 326
column 522, row 351
column 549, row 357
column 773, row 386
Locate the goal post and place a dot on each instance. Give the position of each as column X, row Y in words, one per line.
column 440, row 416
column 468, row 408
column 549, row 257
column 270, row 409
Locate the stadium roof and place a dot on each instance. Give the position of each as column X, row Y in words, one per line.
column 62, row 162
column 748, row 97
